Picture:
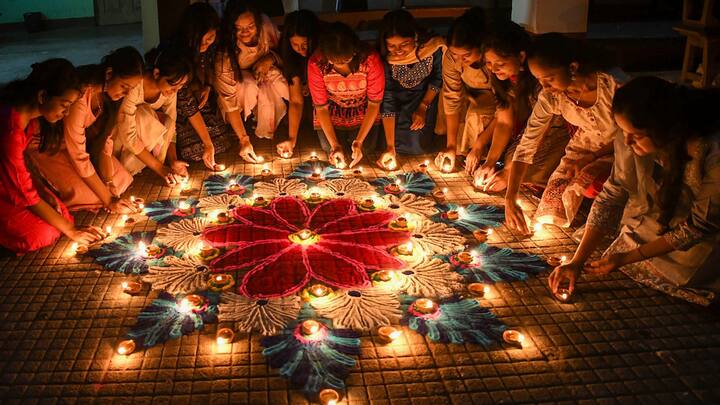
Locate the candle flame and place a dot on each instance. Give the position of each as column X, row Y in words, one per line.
column 427, row 162
column 445, row 190
column 125, row 285
column 184, row 306
column 184, row 205
column 221, row 167
column 317, row 171
column 538, row 227
column 397, row 181
column 218, row 278
column 142, row 249
column 360, row 169
column 260, row 159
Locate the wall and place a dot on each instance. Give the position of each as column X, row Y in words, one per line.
column 11, row 11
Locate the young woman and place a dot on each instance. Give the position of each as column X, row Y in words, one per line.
column 413, row 79
column 298, row 42
column 467, row 93
column 31, row 217
column 145, row 134
column 249, row 79
column 201, row 131
column 666, row 180
column 84, row 171
column 576, row 87
column 516, row 90
column 346, row 82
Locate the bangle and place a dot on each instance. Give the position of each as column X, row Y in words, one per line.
column 424, row 106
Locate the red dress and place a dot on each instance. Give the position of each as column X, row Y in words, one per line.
column 20, row 230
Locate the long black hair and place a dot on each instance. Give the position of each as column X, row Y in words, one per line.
column 400, row 23
column 197, row 20
column 54, row 77
column 670, row 114
column 468, row 31
column 301, row 23
column 173, row 63
column 340, row 41
column 559, row 51
column 228, row 33
column 124, row 62
column 507, row 40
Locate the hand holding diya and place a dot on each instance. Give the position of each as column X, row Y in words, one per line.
column 563, row 295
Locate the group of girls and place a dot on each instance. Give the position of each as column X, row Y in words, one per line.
column 545, row 112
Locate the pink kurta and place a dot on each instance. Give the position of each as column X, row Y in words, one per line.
column 66, row 169
column 20, row 230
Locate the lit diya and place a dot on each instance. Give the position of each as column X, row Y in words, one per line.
column 406, row 249
column 478, row 290
column 312, row 330
column 219, row 168
column 265, row 172
column 235, row 189
column 316, row 174
column 328, row 396
column 394, row 188
column 367, row 205
column 400, row 224
column 260, row 201
column 304, row 237
column 481, row 235
column 126, row 347
column 388, row 334
column 423, row 167
column 425, row 306
column 224, row 218
column 132, row 287
column 191, row 303
column 185, row 208
column 208, row 252
column 150, row 251
column 440, row 195
column 314, row 197
column 384, row 276
column 563, row 295
column 554, row 261
column 452, row 215
column 513, row 337
column 465, row 257
column 224, row 336
column 221, row 282
column 313, row 156
column 358, row 172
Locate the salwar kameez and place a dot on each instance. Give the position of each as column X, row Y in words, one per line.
column 21, row 231
column 263, row 96
column 66, row 169
column 596, row 129
column 406, row 82
column 144, row 126
column 629, row 199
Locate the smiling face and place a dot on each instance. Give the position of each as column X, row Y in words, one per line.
column 245, row 29
column 465, row 55
column 118, row 87
column 299, row 45
column 503, row 67
column 400, row 46
column 637, row 139
column 53, row 109
column 207, row 40
column 554, row 79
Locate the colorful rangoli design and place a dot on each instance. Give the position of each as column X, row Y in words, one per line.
column 312, row 261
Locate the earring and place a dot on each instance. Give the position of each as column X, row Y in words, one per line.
column 522, row 68
column 572, row 77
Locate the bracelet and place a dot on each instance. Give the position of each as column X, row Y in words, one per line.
column 424, row 106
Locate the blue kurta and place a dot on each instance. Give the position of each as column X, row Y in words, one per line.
column 405, row 87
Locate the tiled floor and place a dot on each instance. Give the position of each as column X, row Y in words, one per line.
column 617, row 343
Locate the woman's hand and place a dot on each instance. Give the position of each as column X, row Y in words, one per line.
column 246, row 150
column 285, row 148
column 607, row 264
column 472, row 161
column 262, row 67
column 357, row 153
column 514, row 217
column 122, row 206
column 569, row 273
column 388, row 160
column 445, row 159
column 418, row 118
column 85, row 235
column 337, row 157
column 179, row 168
column 208, row 156
column 203, row 99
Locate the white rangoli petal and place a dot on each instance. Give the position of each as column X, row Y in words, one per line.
column 360, row 309
column 436, row 238
column 185, row 235
column 179, row 276
column 279, row 188
column 267, row 316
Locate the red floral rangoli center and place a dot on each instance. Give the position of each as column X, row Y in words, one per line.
column 285, row 245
